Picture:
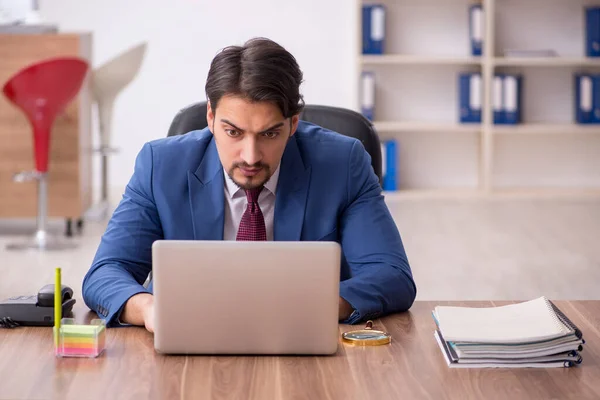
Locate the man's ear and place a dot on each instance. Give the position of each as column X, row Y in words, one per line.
column 294, row 121
column 210, row 116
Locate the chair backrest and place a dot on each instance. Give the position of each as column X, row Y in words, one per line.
column 340, row 120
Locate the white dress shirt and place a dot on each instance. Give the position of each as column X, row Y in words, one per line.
column 236, row 203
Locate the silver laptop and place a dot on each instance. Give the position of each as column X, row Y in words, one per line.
column 228, row 297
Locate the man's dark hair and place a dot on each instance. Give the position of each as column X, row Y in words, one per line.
column 260, row 70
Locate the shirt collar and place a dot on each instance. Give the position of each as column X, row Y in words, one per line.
column 233, row 188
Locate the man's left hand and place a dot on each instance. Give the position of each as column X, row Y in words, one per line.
column 345, row 310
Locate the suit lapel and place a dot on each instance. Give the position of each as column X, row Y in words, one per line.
column 207, row 197
column 292, row 190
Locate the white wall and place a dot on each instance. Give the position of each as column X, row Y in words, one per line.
column 184, row 35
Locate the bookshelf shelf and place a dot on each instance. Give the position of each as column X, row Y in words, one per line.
column 416, row 99
column 547, row 129
column 397, row 195
column 545, row 62
column 547, row 192
column 505, row 193
column 401, row 59
column 391, row 126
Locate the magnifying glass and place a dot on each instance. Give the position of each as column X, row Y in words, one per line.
column 367, row 336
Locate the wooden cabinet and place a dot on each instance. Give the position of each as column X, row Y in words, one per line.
column 70, row 167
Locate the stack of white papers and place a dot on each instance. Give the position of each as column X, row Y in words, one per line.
column 530, row 334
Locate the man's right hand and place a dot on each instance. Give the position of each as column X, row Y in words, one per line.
column 139, row 310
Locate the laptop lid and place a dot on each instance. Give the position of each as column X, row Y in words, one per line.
column 229, row 297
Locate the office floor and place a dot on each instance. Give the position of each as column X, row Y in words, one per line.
column 459, row 249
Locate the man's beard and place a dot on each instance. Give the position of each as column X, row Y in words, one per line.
column 250, row 183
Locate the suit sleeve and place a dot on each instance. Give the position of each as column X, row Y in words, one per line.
column 381, row 279
column 123, row 259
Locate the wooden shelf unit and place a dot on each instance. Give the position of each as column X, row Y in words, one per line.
column 416, row 102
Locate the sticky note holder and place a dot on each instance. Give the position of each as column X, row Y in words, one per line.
column 86, row 341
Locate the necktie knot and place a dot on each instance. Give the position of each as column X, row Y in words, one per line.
column 252, row 194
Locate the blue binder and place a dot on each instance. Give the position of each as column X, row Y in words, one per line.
column 595, row 118
column 383, row 162
column 470, row 97
column 390, row 180
column 476, row 26
column 512, row 104
column 585, row 98
column 498, row 91
column 367, row 95
column 592, row 31
column 373, row 29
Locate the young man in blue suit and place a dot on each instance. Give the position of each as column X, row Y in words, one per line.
column 255, row 173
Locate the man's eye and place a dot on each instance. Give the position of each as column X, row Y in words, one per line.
column 232, row 132
column 271, row 134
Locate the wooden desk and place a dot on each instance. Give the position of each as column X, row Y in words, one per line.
column 411, row 367
column 70, row 161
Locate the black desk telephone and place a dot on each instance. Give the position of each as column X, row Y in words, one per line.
column 36, row 310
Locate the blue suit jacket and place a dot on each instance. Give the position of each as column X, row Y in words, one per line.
column 327, row 190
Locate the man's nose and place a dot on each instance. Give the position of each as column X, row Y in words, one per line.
column 251, row 153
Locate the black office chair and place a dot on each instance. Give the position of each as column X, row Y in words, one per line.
column 340, row 120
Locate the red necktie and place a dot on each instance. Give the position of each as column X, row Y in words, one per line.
column 252, row 225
